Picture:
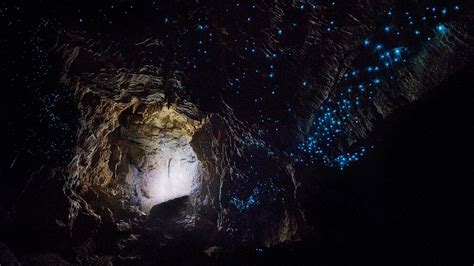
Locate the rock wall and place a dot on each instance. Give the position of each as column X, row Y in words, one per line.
column 248, row 133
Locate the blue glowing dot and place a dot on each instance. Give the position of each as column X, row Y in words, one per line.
column 280, row 31
column 378, row 46
column 366, row 42
column 441, row 28
column 387, row 29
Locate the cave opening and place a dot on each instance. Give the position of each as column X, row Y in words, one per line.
column 172, row 173
column 163, row 165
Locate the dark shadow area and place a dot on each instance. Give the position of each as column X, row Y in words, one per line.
column 408, row 203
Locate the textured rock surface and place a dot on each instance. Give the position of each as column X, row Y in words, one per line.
column 7, row 257
column 146, row 114
column 130, row 108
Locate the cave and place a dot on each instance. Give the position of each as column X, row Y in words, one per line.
column 141, row 153
column 259, row 132
column 162, row 162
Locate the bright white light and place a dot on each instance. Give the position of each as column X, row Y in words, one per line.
column 174, row 174
column 165, row 166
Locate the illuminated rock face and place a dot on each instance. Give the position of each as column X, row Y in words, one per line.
column 173, row 173
column 166, row 166
column 133, row 149
column 232, row 137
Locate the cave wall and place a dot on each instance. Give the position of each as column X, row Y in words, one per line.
column 256, row 181
column 244, row 162
column 117, row 139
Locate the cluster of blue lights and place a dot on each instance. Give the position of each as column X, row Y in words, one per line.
column 258, row 71
column 387, row 49
column 246, row 55
column 264, row 191
column 343, row 160
column 252, row 200
column 252, row 74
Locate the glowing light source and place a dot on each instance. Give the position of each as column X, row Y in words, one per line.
column 441, row 28
column 168, row 168
column 174, row 176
